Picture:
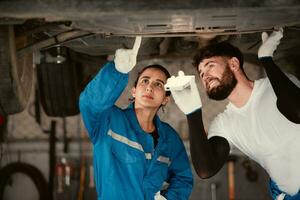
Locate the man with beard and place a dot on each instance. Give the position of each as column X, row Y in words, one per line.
column 262, row 117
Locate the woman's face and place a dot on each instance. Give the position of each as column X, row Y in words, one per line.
column 149, row 91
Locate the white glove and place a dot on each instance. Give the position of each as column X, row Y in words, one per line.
column 185, row 92
column 125, row 59
column 269, row 43
column 158, row 196
column 280, row 197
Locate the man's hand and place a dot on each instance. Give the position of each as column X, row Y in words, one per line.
column 185, row 92
column 269, row 43
column 125, row 59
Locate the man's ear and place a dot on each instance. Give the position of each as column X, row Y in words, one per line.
column 133, row 92
column 234, row 64
column 165, row 101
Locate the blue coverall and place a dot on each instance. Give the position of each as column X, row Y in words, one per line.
column 127, row 166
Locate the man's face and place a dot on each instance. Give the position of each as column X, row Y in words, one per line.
column 217, row 77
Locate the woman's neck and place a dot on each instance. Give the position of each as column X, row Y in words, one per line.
column 145, row 119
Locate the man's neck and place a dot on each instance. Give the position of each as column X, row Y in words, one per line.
column 241, row 93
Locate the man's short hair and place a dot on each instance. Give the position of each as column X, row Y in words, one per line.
column 219, row 49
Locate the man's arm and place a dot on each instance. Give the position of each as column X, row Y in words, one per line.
column 288, row 94
column 208, row 156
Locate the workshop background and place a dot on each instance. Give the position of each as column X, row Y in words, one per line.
column 56, row 155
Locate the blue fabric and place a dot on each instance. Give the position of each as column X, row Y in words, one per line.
column 275, row 191
column 122, row 170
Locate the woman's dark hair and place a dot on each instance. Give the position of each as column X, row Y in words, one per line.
column 154, row 66
column 219, row 49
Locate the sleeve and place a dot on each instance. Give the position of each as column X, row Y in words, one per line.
column 180, row 176
column 99, row 96
column 208, row 155
column 288, row 94
column 216, row 128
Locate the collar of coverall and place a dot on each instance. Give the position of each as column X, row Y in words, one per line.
column 130, row 111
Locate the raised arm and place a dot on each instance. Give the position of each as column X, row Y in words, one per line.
column 102, row 92
column 208, row 156
column 100, row 95
column 288, row 94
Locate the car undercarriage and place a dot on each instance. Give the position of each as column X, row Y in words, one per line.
column 65, row 39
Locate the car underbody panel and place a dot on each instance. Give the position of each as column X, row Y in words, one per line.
column 94, row 29
column 156, row 18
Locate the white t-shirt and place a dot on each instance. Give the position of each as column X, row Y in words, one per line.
column 261, row 132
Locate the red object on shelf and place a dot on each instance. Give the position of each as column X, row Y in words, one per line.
column 2, row 120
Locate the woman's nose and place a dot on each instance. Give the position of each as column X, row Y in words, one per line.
column 149, row 88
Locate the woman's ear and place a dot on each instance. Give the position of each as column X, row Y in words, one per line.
column 165, row 101
column 133, row 92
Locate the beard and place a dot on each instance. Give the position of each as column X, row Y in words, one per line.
column 227, row 84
